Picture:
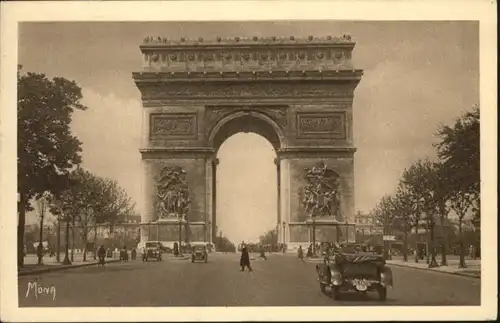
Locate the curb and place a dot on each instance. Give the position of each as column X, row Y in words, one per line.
column 438, row 271
column 63, row 267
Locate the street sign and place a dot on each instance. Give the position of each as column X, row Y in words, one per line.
column 389, row 238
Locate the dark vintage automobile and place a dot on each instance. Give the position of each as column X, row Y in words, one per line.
column 345, row 269
column 199, row 253
column 153, row 250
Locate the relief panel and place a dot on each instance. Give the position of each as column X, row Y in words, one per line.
column 175, row 126
column 321, row 125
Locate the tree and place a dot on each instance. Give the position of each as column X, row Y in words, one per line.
column 404, row 208
column 46, row 148
column 459, row 150
column 384, row 215
column 41, row 208
column 461, row 202
column 115, row 204
column 420, row 179
column 269, row 238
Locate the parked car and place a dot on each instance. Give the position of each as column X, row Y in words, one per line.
column 199, row 253
column 153, row 251
column 345, row 269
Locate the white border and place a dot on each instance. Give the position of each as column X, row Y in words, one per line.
column 14, row 12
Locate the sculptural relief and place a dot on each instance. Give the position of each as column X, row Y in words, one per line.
column 183, row 125
column 172, row 193
column 321, row 194
column 247, row 90
column 330, row 125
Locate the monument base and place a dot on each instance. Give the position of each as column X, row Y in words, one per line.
column 172, row 230
column 326, row 230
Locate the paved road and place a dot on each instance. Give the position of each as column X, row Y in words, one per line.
column 279, row 281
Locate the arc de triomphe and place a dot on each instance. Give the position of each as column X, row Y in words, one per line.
column 297, row 93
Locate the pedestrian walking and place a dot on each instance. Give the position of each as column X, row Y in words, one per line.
column 101, row 253
column 300, row 253
column 245, row 259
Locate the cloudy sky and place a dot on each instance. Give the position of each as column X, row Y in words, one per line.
column 417, row 75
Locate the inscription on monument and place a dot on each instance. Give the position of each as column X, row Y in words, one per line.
column 173, row 125
column 328, row 125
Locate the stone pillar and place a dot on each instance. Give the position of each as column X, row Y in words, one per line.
column 147, row 214
column 208, row 197
column 215, row 162
column 285, row 199
column 278, row 215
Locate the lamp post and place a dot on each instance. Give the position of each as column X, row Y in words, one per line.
column 180, row 235
column 314, row 234
column 284, row 236
column 476, row 222
column 209, row 232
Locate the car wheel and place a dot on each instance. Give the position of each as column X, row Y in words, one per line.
column 336, row 293
column 382, row 293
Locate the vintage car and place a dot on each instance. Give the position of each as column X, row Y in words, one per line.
column 199, row 253
column 153, row 250
column 345, row 269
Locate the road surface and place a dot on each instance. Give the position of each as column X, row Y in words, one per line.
column 282, row 280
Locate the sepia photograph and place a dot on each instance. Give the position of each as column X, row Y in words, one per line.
column 261, row 163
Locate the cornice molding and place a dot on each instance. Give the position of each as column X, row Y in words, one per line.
column 316, row 152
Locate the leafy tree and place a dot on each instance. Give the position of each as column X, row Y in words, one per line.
column 423, row 181
column 459, row 150
column 461, row 202
column 115, row 204
column 384, row 216
column 41, row 206
column 403, row 207
column 46, row 148
column 269, row 238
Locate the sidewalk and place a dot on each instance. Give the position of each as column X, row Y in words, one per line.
column 50, row 264
column 473, row 268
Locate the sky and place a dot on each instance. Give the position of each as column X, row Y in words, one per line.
column 417, row 75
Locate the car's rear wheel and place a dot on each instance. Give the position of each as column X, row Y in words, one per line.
column 336, row 292
column 382, row 293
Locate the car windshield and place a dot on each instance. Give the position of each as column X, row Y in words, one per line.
column 152, row 244
column 199, row 248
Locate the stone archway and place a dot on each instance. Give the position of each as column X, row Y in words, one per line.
column 297, row 93
column 244, row 120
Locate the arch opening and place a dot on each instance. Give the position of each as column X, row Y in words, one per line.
column 246, row 122
column 246, row 186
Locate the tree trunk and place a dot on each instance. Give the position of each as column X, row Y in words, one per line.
column 84, row 236
column 66, row 260
column 433, row 263
column 20, row 231
column 416, row 243
column 73, row 242
column 444, row 242
column 427, row 255
column 461, row 239
column 58, row 241
column 405, row 246
column 40, row 239
column 95, row 241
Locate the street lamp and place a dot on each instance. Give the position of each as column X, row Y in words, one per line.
column 284, row 236
column 314, row 234
column 180, row 236
column 210, row 232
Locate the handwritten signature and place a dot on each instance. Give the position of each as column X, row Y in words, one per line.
column 34, row 288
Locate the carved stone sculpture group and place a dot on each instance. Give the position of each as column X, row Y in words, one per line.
column 321, row 194
column 172, row 193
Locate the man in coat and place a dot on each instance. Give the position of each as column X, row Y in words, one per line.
column 245, row 259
